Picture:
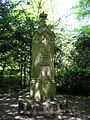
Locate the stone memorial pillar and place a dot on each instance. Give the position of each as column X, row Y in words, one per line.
column 42, row 85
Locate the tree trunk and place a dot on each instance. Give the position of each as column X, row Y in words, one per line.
column 21, row 71
column 25, row 70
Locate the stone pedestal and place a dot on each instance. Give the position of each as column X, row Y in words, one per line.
column 42, row 90
column 48, row 108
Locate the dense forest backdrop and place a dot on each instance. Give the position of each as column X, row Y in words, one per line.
column 18, row 21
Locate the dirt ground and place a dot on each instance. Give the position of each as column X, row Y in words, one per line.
column 9, row 109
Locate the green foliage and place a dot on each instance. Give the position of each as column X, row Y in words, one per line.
column 75, row 77
column 82, row 9
column 9, row 85
column 83, row 49
column 74, row 81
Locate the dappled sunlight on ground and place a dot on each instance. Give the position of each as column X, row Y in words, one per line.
column 79, row 109
column 9, row 107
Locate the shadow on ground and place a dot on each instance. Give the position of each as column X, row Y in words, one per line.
column 9, row 107
column 9, row 110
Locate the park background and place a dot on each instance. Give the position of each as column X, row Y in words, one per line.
column 70, row 21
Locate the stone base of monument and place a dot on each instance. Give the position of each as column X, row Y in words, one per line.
column 48, row 108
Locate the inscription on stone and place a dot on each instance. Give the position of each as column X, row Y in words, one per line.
column 44, row 58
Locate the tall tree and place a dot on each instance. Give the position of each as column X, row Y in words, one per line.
column 5, row 33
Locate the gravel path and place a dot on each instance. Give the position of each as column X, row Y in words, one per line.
column 9, row 110
column 9, row 107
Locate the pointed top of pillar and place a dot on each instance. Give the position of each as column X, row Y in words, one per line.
column 43, row 28
column 43, row 16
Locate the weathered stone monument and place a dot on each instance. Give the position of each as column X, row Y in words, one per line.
column 42, row 99
column 42, row 85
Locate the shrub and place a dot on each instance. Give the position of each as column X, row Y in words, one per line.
column 74, row 81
